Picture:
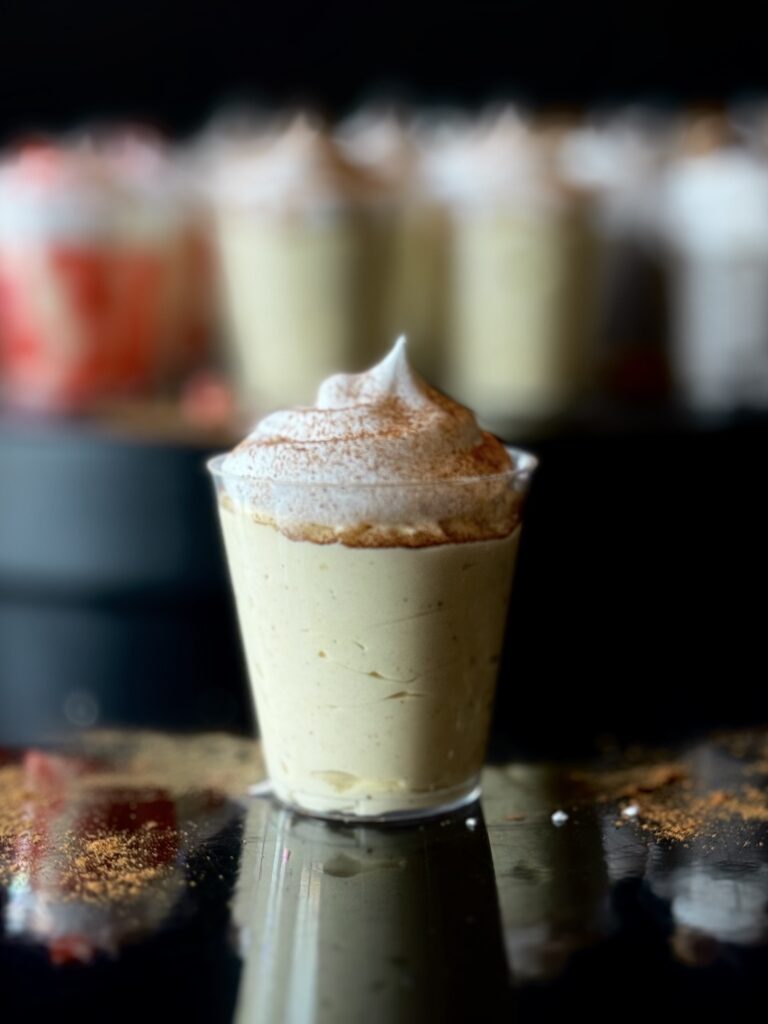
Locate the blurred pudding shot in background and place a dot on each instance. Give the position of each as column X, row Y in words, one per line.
column 304, row 240
column 104, row 288
column 371, row 541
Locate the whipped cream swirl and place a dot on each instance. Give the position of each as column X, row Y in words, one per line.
column 301, row 170
column 381, row 459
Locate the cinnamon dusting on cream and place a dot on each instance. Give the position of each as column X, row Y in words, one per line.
column 382, row 459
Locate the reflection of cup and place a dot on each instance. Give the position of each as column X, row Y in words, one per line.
column 715, row 896
column 349, row 924
column 717, row 882
column 91, row 863
column 726, row 905
column 90, row 873
column 552, row 882
column 373, row 668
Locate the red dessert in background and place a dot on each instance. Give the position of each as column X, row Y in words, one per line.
column 104, row 274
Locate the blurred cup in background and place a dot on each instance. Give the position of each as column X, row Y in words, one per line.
column 305, row 239
column 521, row 259
column 715, row 216
column 388, row 145
column 84, row 279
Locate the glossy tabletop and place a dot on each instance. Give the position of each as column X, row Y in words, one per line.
column 141, row 881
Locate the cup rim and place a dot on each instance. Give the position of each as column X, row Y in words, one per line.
column 524, row 464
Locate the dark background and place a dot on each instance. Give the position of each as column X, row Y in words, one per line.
column 61, row 62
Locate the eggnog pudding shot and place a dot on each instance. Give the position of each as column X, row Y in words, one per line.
column 304, row 240
column 371, row 541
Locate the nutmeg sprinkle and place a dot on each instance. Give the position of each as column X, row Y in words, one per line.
column 99, row 826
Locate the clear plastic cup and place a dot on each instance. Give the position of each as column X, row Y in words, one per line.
column 373, row 659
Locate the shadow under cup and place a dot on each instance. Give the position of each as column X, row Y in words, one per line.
column 373, row 644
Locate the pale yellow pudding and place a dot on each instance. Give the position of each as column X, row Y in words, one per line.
column 373, row 669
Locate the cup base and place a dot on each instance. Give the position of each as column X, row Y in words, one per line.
column 453, row 802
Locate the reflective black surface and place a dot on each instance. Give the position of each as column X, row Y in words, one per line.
column 231, row 908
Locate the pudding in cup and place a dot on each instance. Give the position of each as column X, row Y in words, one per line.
column 371, row 541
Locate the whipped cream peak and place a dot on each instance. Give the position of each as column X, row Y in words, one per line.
column 502, row 160
column 385, row 145
column 381, row 451
column 392, row 378
column 300, row 168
